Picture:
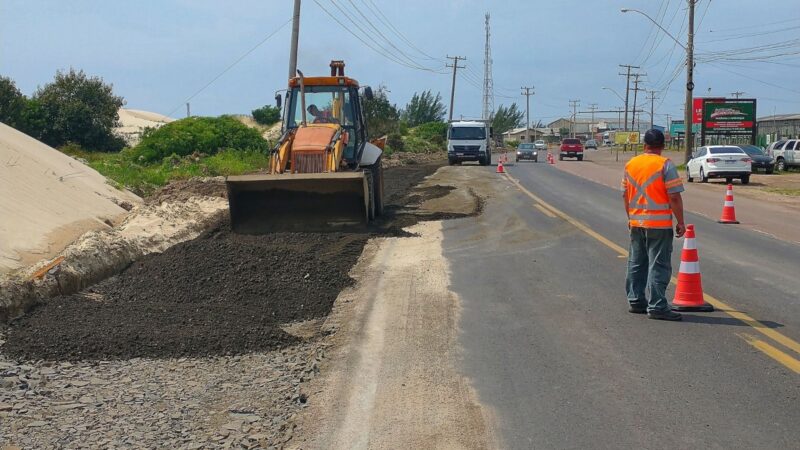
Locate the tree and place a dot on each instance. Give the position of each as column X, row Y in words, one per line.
column 267, row 115
column 507, row 118
column 563, row 131
column 381, row 116
column 79, row 109
column 424, row 108
column 12, row 103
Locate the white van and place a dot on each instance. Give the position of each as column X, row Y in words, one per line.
column 469, row 141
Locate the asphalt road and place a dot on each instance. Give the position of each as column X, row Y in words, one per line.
column 553, row 352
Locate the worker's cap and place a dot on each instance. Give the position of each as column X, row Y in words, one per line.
column 654, row 138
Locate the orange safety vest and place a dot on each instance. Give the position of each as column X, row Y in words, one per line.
column 646, row 193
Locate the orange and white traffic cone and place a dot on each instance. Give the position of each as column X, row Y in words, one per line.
column 500, row 166
column 689, row 293
column 728, row 210
column 551, row 159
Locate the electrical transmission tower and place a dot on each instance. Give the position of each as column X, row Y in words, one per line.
column 488, row 84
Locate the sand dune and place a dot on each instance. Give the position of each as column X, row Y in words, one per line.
column 48, row 199
column 133, row 122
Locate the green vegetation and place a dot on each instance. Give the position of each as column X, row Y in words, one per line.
column 267, row 115
column 142, row 178
column 511, row 143
column 424, row 108
column 791, row 192
column 205, row 135
column 73, row 108
column 382, row 117
column 507, row 118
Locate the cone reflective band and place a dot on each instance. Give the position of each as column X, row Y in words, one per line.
column 689, row 292
column 728, row 210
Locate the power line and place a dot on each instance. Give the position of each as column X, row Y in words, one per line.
column 385, row 20
column 455, row 67
column 231, row 66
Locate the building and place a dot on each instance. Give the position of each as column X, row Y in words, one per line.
column 779, row 126
column 585, row 126
column 518, row 134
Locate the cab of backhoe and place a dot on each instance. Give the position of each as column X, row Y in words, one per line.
column 328, row 100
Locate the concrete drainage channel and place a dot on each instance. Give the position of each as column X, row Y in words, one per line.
column 206, row 344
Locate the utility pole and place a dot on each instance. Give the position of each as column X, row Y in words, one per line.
column 592, row 108
column 627, row 89
column 636, row 90
column 295, row 37
column 652, row 97
column 455, row 67
column 689, row 84
column 737, row 94
column 188, row 111
column 574, row 104
column 619, row 117
column 527, row 92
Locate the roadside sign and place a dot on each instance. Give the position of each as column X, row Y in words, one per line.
column 626, row 137
column 728, row 117
column 697, row 110
column 676, row 127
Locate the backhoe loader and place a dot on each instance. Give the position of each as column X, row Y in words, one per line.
column 323, row 174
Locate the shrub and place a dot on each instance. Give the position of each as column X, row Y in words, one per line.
column 76, row 108
column 512, row 143
column 267, row 115
column 12, row 102
column 206, row 135
column 395, row 142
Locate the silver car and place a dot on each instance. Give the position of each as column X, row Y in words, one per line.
column 540, row 145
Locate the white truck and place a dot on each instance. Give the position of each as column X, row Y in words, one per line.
column 469, row 141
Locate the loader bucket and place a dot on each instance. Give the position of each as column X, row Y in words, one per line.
column 262, row 204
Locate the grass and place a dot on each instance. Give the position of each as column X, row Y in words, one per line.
column 791, row 192
column 142, row 178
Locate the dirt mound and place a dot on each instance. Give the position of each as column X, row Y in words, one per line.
column 219, row 294
column 182, row 190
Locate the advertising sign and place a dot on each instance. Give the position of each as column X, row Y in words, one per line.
column 676, row 127
column 626, row 137
column 729, row 116
column 697, row 110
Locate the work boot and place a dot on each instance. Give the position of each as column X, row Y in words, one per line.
column 664, row 315
column 637, row 309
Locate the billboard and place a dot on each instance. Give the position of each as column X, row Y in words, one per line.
column 729, row 116
column 626, row 137
column 697, row 110
column 676, row 127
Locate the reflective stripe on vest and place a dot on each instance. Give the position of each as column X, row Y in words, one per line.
column 646, row 193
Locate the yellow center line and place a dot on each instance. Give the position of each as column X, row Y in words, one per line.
column 544, row 210
column 717, row 303
column 772, row 352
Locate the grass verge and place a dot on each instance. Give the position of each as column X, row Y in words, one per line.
column 144, row 178
column 791, row 192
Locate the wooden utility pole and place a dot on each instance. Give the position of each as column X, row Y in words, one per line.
column 627, row 89
column 527, row 92
column 188, row 110
column 574, row 104
column 455, row 67
column 592, row 108
column 636, row 90
column 737, row 94
column 295, row 38
column 652, row 97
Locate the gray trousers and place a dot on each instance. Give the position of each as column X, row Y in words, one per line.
column 649, row 266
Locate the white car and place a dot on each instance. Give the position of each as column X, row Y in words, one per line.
column 719, row 161
column 786, row 153
column 540, row 145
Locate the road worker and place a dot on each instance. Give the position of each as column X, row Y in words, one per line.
column 651, row 188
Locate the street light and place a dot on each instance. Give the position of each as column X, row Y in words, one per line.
column 615, row 93
column 689, row 48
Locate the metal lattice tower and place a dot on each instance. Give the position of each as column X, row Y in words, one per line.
column 488, row 84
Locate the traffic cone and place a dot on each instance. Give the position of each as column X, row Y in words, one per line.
column 728, row 210
column 500, row 167
column 552, row 159
column 689, row 293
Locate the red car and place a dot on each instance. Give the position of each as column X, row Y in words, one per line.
column 571, row 148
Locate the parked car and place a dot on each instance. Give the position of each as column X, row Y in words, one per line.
column 760, row 159
column 786, row 153
column 591, row 143
column 540, row 145
column 571, row 148
column 719, row 161
column 527, row 151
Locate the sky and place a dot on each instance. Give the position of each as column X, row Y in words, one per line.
column 159, row 53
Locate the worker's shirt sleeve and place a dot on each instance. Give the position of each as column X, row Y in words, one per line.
column 672, row 180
